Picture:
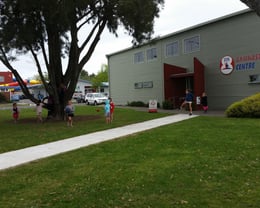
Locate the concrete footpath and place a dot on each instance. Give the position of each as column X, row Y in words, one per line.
column 22, row 156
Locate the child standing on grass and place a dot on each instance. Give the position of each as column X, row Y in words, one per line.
column 112, row 107
column 15, row 112
column 107, row 111
column 39, row 111
column 69, row 110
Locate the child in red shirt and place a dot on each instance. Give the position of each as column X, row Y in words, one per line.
column 15, row 112
column 112, row 107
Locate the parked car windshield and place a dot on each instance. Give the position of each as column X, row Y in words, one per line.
column 98, row 95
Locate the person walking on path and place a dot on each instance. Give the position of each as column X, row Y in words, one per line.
column 204, row 102
column 188, row 100
column 15, row 112
column 112, row 107
column 69, row 110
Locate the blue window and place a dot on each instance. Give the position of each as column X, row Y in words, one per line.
column 192, row 44
column 151, row 54
column 139, row 57
column 172, row 49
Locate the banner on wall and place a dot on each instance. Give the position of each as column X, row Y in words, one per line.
column 240, row 63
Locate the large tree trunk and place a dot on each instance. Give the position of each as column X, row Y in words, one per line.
column 58, row 37
column 57, row 88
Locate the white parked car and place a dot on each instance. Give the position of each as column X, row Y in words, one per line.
column 77, row 95
column 95, row 98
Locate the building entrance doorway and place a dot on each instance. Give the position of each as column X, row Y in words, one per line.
column 181, row 82
column 177, row 80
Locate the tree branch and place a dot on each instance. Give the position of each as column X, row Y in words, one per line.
column 85, row 59
column 84, row 44
column 19, row 79
column 39, row 69
column 73, row 71
column 45, row 57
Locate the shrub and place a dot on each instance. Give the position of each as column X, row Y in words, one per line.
column 140, row 104
column 167, row 104
column 137, row 104
column 246, row 108
column 2, row 98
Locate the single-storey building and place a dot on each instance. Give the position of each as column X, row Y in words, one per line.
column 220, row 57
column 5, row 77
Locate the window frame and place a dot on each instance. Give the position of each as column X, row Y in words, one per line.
column 194, row 44
column 151, row 54
column 139, row 57
column 175, row 50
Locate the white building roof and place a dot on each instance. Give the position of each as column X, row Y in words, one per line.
column 186, row 29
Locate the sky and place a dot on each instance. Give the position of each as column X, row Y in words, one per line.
column 176, row 15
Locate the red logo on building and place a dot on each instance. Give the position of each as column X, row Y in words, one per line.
column 227, row 65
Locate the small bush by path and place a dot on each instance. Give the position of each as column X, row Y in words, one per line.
column 246, row 108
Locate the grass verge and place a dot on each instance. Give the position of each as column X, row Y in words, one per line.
column 27, row 132
column 202, row 162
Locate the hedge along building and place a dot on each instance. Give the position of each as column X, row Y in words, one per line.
column 220, row 57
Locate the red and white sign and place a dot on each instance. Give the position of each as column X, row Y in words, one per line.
column 227, row 65
column 152, row 106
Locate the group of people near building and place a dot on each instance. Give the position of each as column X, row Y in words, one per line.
column 108, row 108
column 16, row 111
column 189, row 100
column 69, row 111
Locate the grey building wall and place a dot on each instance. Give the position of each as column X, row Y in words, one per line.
column 235, row 35
column 124, row 75
column 81, row 84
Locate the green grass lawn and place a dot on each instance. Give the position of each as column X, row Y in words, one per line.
column 201, row 162
column 27, row 132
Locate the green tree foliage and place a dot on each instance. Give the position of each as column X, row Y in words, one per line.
column 2, row 98
column 85, row 76
column 51, row 29
column 45, row 75
column 102, row 76
column 253, row 4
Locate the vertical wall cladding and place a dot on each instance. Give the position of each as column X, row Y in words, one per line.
column 149, row 75
column 130, row 81
column 234, row 36
column 199, row 80
column 119, row 78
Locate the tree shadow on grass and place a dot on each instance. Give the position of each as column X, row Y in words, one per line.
column 77, row 118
